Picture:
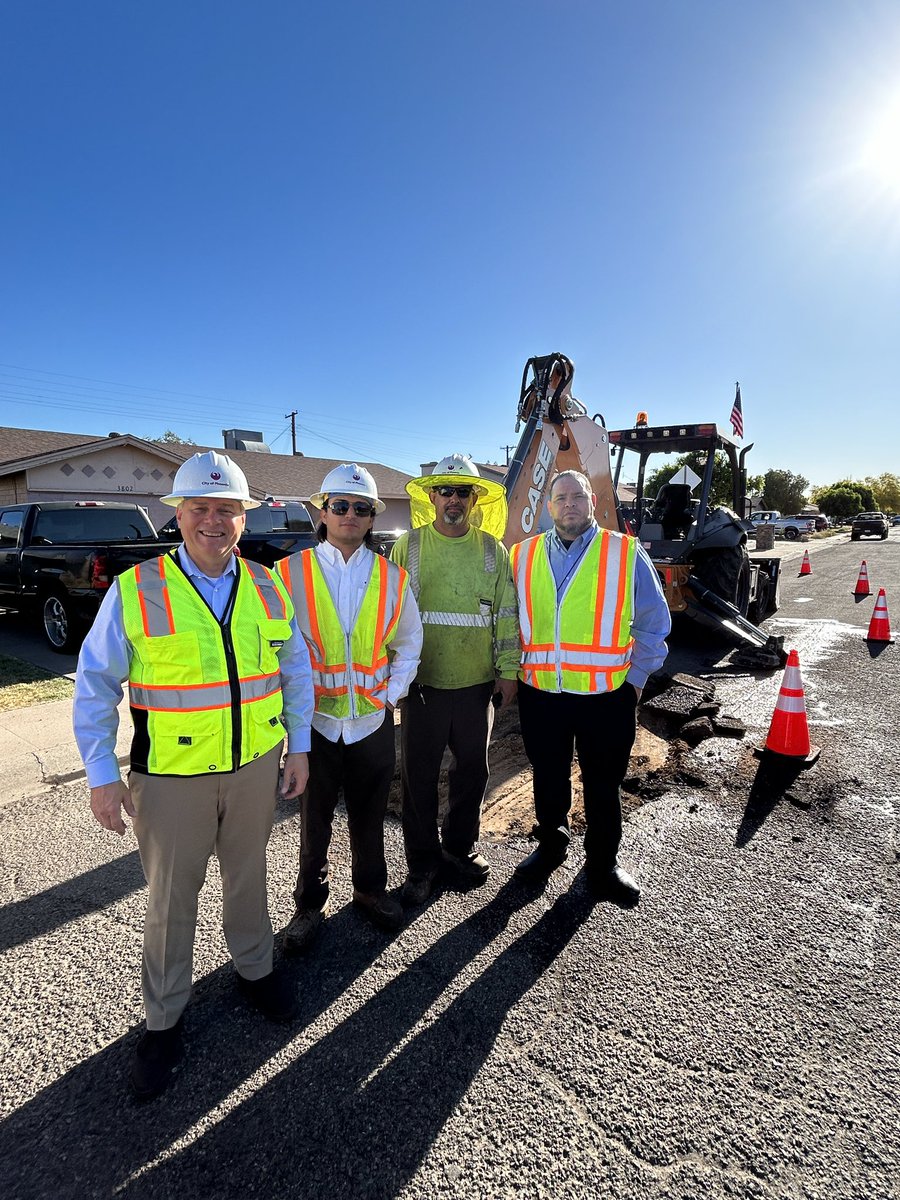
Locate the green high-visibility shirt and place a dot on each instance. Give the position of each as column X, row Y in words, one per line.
column 467, row 602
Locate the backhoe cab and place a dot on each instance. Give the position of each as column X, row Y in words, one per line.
column 699, row 548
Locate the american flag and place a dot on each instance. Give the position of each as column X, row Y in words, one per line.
column 737, row 413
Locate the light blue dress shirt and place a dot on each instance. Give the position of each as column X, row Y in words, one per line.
column 651, row 620
column 105, row 658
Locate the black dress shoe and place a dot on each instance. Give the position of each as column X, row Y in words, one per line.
column 614, row 883
column 273, row 996
column 541, row 863
column 157, row 1055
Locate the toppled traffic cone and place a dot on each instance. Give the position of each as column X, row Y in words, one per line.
column 880, row 625
column 862, row 584
column 789, row 732
column 805, row 568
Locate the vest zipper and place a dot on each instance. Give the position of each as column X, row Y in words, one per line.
column 351, row 689
column 235, row 687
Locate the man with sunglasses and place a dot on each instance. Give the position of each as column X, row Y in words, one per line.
column 364, row 635
column 459, row 573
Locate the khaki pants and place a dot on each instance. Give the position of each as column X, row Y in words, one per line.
column 179, row 824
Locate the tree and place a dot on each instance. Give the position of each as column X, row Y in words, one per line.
column 170, row 438
column 886, row 492
column 839, row 503
column 784, row 491
column 721, row 490
column 866, row 498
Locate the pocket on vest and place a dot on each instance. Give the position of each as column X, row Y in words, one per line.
column 273, row 634
column 171, row 658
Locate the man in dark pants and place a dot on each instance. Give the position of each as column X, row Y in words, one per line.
column 459, row 573
column 364, row 636
column 593, row 622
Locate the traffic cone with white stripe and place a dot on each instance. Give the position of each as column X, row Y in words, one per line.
column 805, row 568
column 789, row 732
column 880, row 625
column 862, row 584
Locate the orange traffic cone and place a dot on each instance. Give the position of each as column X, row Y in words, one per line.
column 880, row 625
column 789, row 732
column 805, row 568
column 862, row 584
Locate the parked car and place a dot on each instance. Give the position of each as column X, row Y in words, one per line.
column 789, row 527
column 58, row 558
column 895, row 520
column 870, row 524
column 822, row 522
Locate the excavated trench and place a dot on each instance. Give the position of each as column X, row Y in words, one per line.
column 677, row 715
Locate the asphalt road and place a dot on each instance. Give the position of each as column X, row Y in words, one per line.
column 736, row 1035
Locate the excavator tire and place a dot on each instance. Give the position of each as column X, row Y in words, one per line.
column 727, row 573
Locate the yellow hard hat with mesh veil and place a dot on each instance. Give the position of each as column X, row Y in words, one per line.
column 489, row 512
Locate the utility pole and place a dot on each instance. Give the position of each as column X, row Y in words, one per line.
column 507, row 449
column 293, row 419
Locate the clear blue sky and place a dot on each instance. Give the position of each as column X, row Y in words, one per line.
column 216, row 212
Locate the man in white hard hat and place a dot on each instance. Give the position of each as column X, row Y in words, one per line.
column 217, row 670
column 459, row 573
column 364, row 635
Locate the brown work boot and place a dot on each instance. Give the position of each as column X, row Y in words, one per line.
column 381, row 910
column 417, row 888
column 302, row 930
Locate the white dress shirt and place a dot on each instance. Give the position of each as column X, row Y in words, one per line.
column 347, row 583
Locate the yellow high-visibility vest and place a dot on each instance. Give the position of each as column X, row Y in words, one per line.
column 350, row 671
column 204, row 696
column 580, row 641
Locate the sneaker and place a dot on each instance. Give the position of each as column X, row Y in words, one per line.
column 381, row 910
column 417, row 889
column 272, row 995
column 472, row 866
column 302, row 929
column 156, row 1056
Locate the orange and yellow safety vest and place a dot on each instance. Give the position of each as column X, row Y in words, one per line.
column 579, row 641
column 350, row 671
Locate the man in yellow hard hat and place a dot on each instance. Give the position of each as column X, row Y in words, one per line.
column 217, row 670
column 364, row 636
column 459, row 573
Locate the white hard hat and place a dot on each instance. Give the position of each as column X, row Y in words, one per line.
column 210, row 474
column 349, row 479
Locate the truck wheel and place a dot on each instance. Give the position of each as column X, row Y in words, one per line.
column 854, row 537
column 791, row 534
column 62, row 630
column 727, row 573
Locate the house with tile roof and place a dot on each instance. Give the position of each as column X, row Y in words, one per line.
column 37, row 464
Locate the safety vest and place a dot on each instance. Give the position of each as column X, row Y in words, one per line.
column 204, row 696
column 581, row 641
column 350, row 671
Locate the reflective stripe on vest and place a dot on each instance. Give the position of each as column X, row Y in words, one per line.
column 204, row 696
column 582, row 641
column 350, row 672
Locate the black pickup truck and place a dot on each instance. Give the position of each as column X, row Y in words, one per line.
column 58, row 558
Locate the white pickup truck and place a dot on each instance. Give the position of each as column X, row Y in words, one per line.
column 789, row 527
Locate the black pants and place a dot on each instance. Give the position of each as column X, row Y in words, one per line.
column 365, row 771
column 431, row 720
column 602, row 729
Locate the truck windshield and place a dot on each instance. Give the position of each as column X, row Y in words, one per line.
column 54, row 526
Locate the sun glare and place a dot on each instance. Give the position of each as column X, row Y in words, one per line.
column 880, row 156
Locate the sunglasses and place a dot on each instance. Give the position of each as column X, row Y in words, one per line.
column 341, row 507
column 446, row 492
